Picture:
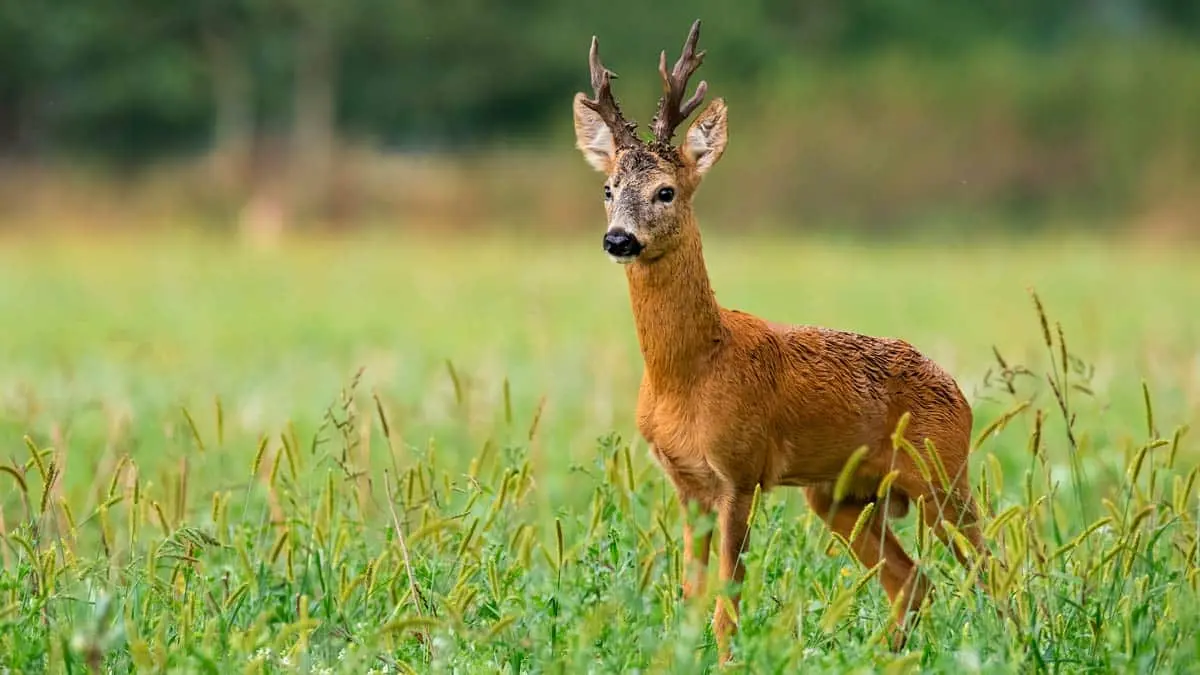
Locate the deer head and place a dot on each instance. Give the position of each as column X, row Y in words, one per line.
column 649, row 186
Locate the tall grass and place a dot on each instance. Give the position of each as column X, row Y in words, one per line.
column 193, row 538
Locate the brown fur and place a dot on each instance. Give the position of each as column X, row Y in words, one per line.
column 729, row 401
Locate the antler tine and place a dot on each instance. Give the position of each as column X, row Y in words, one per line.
column 604, row 103
column 672, row 109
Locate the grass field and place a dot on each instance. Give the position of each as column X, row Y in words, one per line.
column 415, row 456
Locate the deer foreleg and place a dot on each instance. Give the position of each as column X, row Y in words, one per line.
column 733, row 514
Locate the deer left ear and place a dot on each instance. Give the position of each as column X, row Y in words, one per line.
column 706, row 138
column 593, row 137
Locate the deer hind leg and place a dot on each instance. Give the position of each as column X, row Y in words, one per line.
column 900, row 577
column 965, row 514
column 955, row 505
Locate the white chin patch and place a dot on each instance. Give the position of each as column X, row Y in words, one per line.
column 622, row 260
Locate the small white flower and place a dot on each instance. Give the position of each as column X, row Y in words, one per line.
column 968, row 660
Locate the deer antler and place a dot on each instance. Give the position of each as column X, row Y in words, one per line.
column 672, row 109
column 604, row 104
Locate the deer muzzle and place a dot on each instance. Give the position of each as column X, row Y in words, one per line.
column 621, row 245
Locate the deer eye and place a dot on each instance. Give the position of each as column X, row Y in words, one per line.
column 665, row 195
column 607, row 193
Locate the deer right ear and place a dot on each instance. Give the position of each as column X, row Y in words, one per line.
column 593, row 137
column 707, row 136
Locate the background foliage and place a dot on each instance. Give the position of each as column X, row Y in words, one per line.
column 866, row 114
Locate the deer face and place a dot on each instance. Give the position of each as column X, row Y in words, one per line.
column 649, row 186
column 648, row 190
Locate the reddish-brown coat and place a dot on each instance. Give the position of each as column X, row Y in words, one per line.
column 729, row 401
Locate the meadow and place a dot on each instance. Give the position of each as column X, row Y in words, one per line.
column 386, row 454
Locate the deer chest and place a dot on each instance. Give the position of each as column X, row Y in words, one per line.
column 678, row 445
column 690, row 473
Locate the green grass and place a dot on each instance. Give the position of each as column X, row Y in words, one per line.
column 416, row 456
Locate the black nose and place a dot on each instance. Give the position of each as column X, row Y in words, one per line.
column 621, row 244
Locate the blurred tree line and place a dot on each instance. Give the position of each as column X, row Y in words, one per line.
column 133, row 79
column 125, row 82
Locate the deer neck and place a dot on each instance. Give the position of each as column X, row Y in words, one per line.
column 676, row 313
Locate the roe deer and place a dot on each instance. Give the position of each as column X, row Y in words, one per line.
column 729, row 402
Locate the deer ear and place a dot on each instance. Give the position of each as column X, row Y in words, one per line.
column 706, row 138
column 593, row 137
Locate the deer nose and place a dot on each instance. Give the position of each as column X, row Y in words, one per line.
column 621, row 244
